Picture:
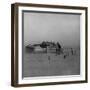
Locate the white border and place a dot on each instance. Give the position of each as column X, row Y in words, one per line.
column 52, row 78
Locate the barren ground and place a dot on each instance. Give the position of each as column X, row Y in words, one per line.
column 50, row 64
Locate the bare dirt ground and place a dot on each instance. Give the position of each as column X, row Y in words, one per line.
column 50, row 64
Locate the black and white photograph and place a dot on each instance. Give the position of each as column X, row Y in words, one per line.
column 49, row 44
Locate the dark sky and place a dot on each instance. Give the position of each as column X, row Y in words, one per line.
column 64, row 28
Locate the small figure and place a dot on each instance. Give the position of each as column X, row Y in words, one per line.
column 49, row 58
column 72, row 51
column 65, row 56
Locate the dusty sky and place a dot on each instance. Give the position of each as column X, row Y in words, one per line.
column 64, row 28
